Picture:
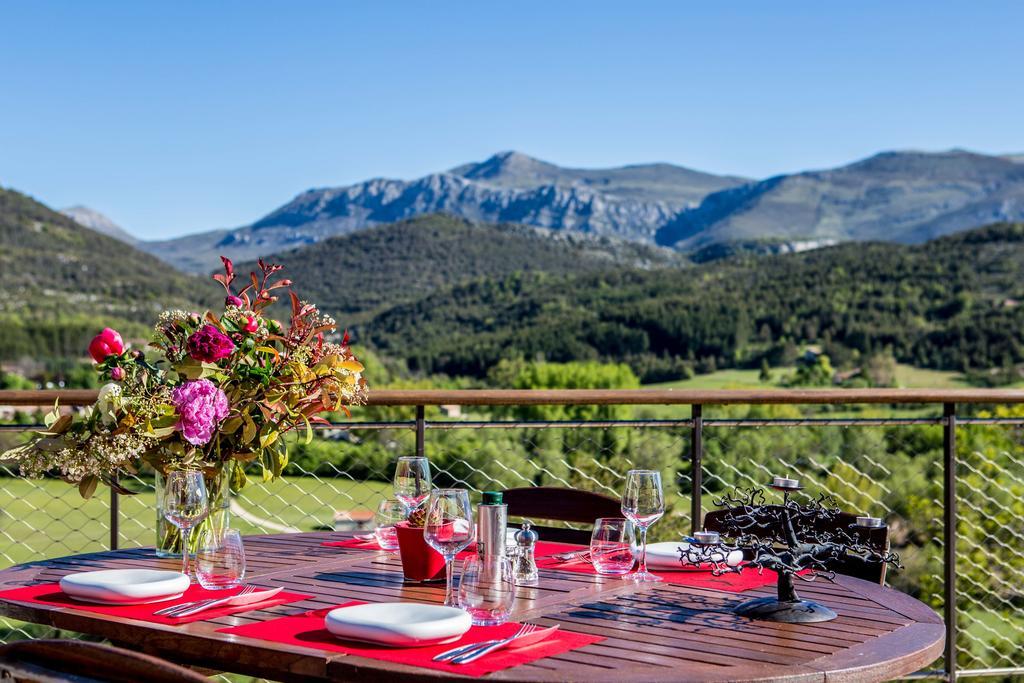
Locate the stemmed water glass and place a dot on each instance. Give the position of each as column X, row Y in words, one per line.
column 449, row 529
column 412, row 481
column 643, row 503
column 186, row 503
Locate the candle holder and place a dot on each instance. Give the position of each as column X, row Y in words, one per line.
column 796, row 540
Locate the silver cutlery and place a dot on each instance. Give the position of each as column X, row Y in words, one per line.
column 474, row 655
column 575, row 556
column 176, row 610
column 463, row 649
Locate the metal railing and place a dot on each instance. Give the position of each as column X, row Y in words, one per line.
column 703, row 453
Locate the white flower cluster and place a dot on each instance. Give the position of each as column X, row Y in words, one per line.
column 101, row 455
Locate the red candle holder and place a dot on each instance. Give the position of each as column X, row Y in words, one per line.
column 420, row 562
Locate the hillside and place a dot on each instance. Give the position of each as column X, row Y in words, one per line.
column 952, row 303
column 61, row 282
column 631, row 202
column 905, row 197
column 356, row 275
column 94, row 220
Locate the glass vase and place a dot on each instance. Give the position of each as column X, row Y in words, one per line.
column 168, row 537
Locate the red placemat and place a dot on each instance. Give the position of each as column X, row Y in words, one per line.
column 307, row 630
column 746, row 580
column 51, row 594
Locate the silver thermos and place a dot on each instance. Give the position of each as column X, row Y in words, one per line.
column 492, row 518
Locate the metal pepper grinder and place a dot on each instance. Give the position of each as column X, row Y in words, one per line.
column 526, row 562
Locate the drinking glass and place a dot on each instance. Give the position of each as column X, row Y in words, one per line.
column 389, row 513
column 611, row 546
column 487, row 589
column 448, row 529
column 185, row 504
column 643, row 504
column 220, row 559
column 412, row 481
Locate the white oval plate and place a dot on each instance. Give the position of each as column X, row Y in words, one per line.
column 665, row 556
column 125, row 586
column 400, row 624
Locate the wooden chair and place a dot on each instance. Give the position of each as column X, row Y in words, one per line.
column 851, row 565
column 76, row 661
column 555, row 504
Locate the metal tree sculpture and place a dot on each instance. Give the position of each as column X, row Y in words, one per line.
column 797, row 541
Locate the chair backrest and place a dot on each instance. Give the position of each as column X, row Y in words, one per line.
column 32, row 661
column 555, row 504
column 875, row 538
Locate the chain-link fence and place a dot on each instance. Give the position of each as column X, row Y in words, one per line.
column 896, row 467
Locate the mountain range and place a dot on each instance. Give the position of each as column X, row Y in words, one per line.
column 906, row 197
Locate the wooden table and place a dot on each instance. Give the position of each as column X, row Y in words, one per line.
column 658, row 632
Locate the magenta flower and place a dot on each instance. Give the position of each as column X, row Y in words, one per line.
column 201, row 406
column 232, row 300
column 208, row 344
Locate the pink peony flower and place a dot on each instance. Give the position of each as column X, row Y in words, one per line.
column 251, row 324
column 232, row 300
column 106, row 343
column 201, row 406
column 116, row 373
column 208, row 344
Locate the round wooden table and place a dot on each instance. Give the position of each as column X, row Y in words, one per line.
column 657, row 632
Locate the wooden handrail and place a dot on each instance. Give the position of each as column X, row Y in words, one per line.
column 527, row 397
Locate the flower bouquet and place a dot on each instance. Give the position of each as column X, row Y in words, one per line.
column 217, row 392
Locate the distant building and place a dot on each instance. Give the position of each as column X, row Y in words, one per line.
column 353, row 520
column 451, row 410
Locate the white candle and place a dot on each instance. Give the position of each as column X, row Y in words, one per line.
column 784, row 483
column 706, row 537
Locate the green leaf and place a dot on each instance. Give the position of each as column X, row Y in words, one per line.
column 87, row 487
column 249, row 432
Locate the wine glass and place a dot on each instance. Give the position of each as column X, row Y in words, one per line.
column 186, row 503
column 643, row 504
column 448, row 529
column 412, row 481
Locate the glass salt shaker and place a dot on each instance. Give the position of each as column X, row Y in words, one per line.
column 525, row 562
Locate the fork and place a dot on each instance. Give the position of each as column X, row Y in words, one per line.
column 473, row 655
column 575, row 556
column 174, row 610
column 465, row 649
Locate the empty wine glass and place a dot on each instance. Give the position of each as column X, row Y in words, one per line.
column 186, row 503
column 220, row 559
column 611, row 546
column 487, row 589
column 389, row 513
column 643, row 503
column 412, row 481
column 448, row 529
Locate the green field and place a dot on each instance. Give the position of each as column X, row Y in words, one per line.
column 47, row 518
column 907, row 376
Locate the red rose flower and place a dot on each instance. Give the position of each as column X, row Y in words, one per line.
column 106, row 343
column 208, row 344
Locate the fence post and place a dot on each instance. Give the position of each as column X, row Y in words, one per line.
column 114, row 517
column 421, row 429
column 696, row 451
column 949, row 534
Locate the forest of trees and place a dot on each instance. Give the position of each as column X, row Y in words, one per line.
column 953, row 303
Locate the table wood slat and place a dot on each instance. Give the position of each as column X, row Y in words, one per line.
column 661, row 632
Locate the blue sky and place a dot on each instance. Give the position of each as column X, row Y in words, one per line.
column 179, row 117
